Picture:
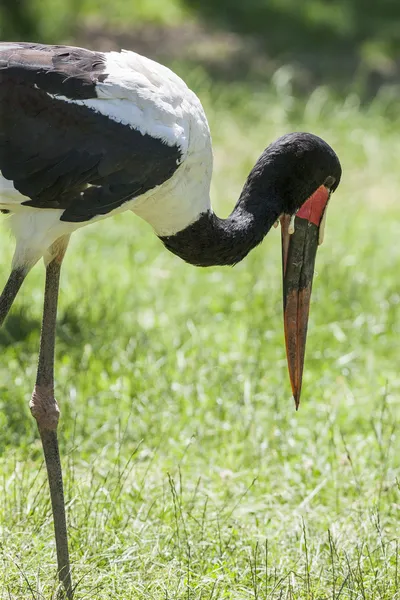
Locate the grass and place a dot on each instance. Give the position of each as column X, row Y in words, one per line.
column 53, row 20
column 188, row 473
column 349, row 44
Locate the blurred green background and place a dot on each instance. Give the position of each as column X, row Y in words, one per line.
column 352, row 43
column 188, row 474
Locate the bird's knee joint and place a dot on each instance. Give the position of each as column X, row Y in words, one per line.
column 44, row 407
column 57, row 251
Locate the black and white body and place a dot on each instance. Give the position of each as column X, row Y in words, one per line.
column 85, row 135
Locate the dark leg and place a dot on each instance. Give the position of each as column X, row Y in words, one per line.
column 44, row 408
column 10, row 291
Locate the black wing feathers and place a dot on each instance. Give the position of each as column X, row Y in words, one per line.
column 65, row 155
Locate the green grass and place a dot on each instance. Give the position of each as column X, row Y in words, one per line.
column 188, row 473
column 56, row 20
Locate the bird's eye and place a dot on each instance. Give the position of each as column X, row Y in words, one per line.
column 329, row 181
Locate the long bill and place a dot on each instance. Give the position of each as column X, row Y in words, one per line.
column 301, row 236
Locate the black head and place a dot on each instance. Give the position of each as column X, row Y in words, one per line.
column 293, row 179
column 293, row 167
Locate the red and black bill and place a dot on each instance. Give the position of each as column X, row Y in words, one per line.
column 299, row 249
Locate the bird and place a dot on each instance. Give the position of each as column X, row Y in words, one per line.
column 85, row 135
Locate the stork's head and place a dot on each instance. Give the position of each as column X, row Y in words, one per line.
column 304, row 171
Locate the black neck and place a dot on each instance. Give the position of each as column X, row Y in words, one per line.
column 285, row 175
column 214, row 241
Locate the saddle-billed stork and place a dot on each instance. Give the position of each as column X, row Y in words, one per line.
column 85, row 135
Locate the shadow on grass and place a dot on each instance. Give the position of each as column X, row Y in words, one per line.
column 69, row 328
column 17, row 328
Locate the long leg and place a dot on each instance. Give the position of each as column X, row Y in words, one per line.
column 23, row 261
column 44, row 408
column 10, row 291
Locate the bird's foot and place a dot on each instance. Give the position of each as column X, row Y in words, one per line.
column 44, row 407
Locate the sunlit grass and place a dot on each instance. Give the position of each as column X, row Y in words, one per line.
column 188, row 473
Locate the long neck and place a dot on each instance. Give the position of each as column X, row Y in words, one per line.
column 214, row 241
